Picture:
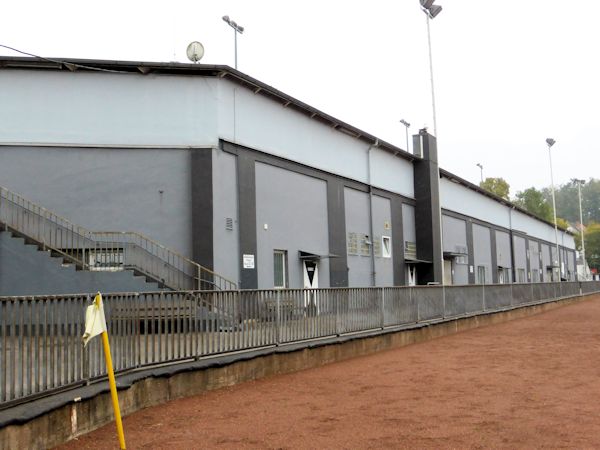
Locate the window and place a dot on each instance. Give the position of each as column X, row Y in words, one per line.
column 280, row 269
column 480, row 275
column 520, row 275
column 535, row 276
column 386, row 246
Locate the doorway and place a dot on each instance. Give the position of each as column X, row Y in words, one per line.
column 448, row 272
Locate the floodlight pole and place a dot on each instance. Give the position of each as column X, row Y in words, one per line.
column 407, row 126
column 236, row 29
column 431, row 73
column 579, row 183
column 481, row 170
column 550, row 143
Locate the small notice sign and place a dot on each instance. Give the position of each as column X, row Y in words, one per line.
column 248, row 261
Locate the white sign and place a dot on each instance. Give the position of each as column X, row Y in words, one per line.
column 248, row 261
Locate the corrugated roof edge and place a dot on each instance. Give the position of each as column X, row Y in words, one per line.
column 474, row 187
column 19, row 62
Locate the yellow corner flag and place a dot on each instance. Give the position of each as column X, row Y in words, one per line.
column 95, row 324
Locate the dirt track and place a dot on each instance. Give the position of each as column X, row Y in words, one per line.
column 528, row 383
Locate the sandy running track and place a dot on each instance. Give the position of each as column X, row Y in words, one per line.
column 528, row 383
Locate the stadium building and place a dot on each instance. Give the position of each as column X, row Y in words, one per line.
column 255, row 185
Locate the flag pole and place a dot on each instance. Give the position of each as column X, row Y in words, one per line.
column 111, row 380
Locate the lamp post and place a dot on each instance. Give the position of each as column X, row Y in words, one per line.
column 236, row 29
column 481, row 170
column 579, row 184
column 431, row 11
column 550, row 142
column 407, row 126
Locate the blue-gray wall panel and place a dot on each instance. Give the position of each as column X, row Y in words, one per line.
column 294, row 209
column 24, row 270
column 357, row 221
column 225, row 206
column 143, row 190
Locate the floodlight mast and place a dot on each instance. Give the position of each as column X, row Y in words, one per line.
column 431, row 11
column 579, row 184
column 407, row 126
column 236, row 29
column 550, row 142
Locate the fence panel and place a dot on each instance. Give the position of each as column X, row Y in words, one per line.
column 522, row 293
column 430, row 302
column 400, row 307
column 40, row 337
column 497, row 296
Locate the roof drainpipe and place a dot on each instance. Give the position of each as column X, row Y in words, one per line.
column 372, row 237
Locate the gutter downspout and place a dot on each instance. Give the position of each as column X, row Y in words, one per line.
column 373, row 271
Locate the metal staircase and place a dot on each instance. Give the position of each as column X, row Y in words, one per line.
column 104, row 250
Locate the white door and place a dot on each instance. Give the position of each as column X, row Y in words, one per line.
column 411, row 275
column 311, row 274
column 311, row 281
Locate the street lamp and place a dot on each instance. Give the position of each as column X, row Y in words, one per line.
column 579, row 184
column 550, row 142
column 431, row 11
column 236, row 29
column 481, row 170
column 407, row 126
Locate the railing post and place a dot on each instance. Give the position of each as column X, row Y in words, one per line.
column 418, row 305
column 337, row 314
column 483, row 295
column 278, row 319
column 443, row 301
column 382, row 305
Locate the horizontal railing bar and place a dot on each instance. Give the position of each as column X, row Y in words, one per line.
column 41, row 353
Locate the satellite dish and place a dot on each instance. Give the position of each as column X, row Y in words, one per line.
column 195, row 51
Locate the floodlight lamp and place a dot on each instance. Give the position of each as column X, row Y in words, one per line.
column 226, row 19
column 427, row 3
column 435, row 10
column 550, row 142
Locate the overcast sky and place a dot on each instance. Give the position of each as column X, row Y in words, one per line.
column 508, row 74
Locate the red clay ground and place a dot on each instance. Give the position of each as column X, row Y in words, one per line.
column 533, row 382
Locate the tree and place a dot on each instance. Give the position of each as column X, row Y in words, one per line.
column 497, row 186
column 567, row 201
column 562, row 223
column 592, row 246
column 534, row 202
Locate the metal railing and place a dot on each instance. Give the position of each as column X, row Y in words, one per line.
column 104, row 250
column 40, row 337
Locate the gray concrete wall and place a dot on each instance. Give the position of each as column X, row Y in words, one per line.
column 93, row 108
column 482, row 251
column 454, row 239
column 226, row 242
column 382, row 226
column 257, row 122
column 408, row 223
column 520, row 257
column 534, row 261
column 291, row 215
column 503, row 252
column 454, row 234
column 25, row 270
column 102, row 189
column 357, row 229
column 546, row 261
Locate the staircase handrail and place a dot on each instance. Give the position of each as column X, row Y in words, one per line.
column 59, row 234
